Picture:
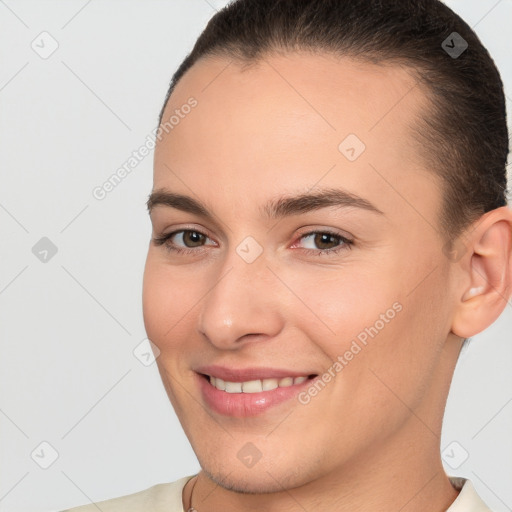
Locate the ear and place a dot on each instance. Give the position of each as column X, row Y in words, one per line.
column 486, row 269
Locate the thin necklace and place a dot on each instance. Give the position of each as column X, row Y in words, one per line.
column 190, row 507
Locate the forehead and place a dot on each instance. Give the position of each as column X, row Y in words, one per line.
column 311, row 81
column 282, row 121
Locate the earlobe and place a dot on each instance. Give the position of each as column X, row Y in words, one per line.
column 487, row 269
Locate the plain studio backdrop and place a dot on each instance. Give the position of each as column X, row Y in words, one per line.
column 83, row 414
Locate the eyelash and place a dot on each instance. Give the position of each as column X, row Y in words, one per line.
column 346, row 243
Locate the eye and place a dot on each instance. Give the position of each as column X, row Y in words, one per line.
column 189, row 237
column 191, row 241
column 323, row 238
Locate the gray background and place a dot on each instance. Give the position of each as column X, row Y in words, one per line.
column 69, row 325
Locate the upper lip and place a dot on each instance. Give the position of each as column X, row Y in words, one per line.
column 246, row 374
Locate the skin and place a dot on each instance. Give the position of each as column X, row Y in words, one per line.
column 370, row 439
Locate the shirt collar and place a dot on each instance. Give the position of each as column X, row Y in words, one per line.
column 468, row 499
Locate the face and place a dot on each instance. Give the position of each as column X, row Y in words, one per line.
column 343, row 302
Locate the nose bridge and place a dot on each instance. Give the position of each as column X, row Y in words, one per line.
column 242, row 299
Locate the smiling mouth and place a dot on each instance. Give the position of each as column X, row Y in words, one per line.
column 256, row 385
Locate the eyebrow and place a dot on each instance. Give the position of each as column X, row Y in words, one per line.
column 274, row 209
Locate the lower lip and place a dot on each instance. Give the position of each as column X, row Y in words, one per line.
column 247, row 404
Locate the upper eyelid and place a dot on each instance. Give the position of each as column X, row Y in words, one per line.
column 332, row 231
column 302, row 234
column 336, row 231
column 181, row 230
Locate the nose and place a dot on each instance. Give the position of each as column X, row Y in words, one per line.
column 242, row 305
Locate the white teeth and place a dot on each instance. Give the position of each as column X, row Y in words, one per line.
column 252, row 386
column 233, row 387
column 269, row 384
column 286, row 382
column 255, row 386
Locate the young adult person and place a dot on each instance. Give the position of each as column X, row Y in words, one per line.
column 329, row 225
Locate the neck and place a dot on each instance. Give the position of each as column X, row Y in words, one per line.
column 414, row 481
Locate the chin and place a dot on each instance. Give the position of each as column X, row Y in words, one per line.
column 252, row 483
column 259, row 479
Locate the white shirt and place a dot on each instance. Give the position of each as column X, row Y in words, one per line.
column 167, row 497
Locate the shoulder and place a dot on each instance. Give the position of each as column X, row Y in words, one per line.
column 158, row 498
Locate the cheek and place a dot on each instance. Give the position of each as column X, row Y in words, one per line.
column 401, row 359
column 344, row 306
column 154, row 300
column 373, row 323
column 166, row 301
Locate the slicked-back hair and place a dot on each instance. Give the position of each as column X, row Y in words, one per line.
column 462, row 135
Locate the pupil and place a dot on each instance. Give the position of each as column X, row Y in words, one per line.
column 196, row 235
column 323, row 236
